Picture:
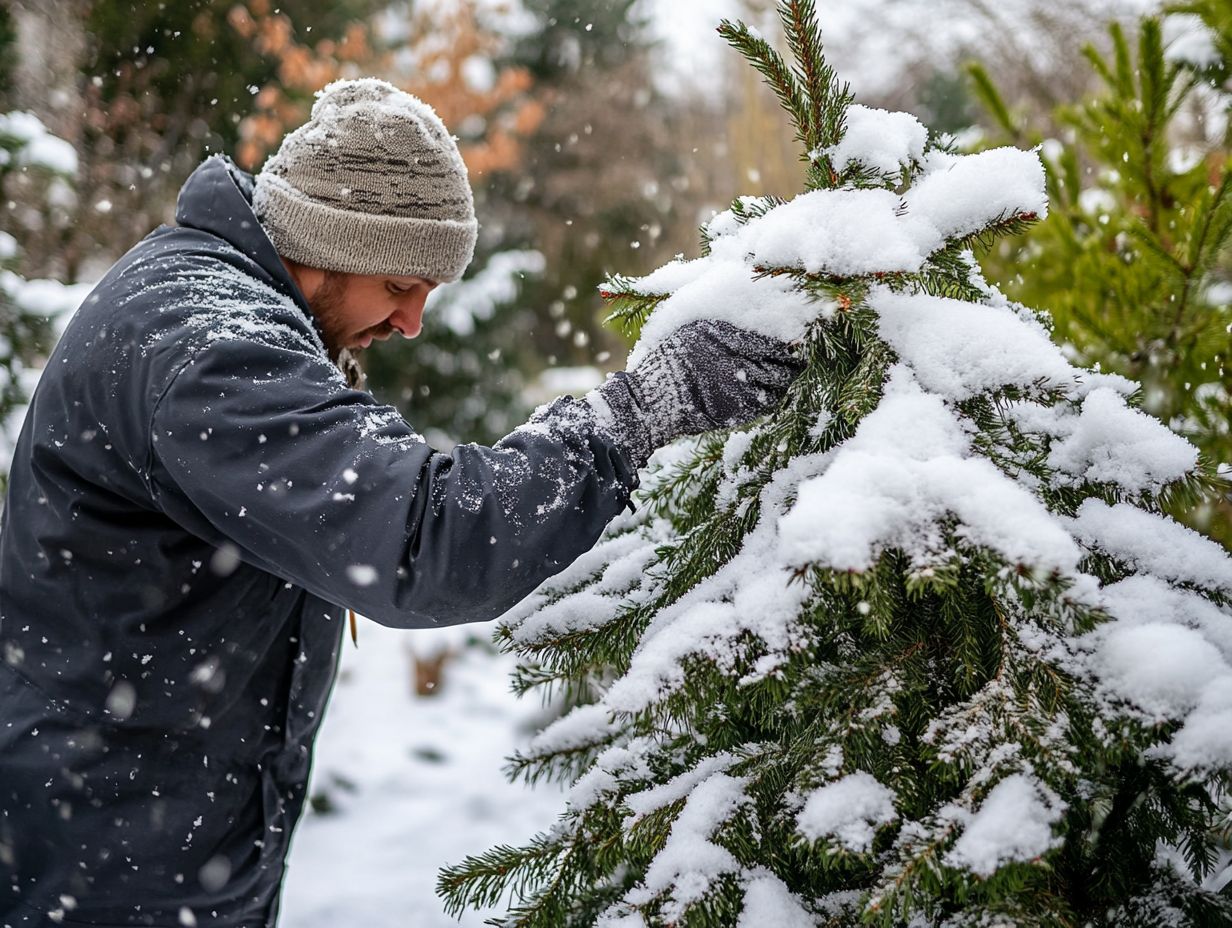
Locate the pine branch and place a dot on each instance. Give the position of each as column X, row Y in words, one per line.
column 1006, row 224
column 989, row 96
column 771, row 65
column 630, row 308
column 563, row 766
column 483, row 880
column 799, row 18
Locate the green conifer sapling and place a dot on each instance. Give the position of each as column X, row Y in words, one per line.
column 918, row 649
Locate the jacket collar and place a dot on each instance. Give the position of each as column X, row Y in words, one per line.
column 217, row 198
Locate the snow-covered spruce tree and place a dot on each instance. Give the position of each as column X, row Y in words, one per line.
column 920, row 649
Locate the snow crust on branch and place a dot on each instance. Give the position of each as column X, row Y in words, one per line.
column 959, row 195
column 690, row 861
column 1108, row 442
column 768, row 901
column 1152, row 544
column 880, row 139
column 1014, row 823
column 850, row 809
column 958, row 349
column 848, row 233
column 1167, row 655
column 892, row 484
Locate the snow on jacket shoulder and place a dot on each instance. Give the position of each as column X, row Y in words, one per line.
column 195, row 496
column 257, row 437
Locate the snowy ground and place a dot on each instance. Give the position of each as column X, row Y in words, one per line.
column 427, row 786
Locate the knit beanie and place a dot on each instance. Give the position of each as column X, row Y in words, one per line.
column 372, row 184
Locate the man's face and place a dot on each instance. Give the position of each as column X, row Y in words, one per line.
column 354, row 310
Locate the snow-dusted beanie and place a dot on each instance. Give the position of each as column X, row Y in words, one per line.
column 372, row 184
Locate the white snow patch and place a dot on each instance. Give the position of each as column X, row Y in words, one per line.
column 768, row 902
column 1205, row 740
column 1161, row 667
column 414, row 786
column 959, row 349
column 882, row 140
column 1138, row 600
column 1112, row 443
column 849, row 810
column 844, row 232
column 962, row 194
column 906, row 468
column 690, row 862
column 1152, row 544
column 728, row 292
column 1014, row 823
column 581, row 726
column 678, row 787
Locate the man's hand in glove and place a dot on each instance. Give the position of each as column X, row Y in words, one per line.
column 708, row 374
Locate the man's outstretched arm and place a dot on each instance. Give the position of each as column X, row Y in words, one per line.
column 263, row 447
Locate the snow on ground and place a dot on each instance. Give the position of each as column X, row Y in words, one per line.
column 428, row 787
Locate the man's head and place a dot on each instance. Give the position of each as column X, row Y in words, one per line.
column 369, row 204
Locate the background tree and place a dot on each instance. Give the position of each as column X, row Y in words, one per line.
column 602, row 178
column 919, row 648
column 37, row 171
column 164, row 85
column 1133, row 260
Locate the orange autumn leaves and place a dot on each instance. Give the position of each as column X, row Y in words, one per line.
column 442, row 56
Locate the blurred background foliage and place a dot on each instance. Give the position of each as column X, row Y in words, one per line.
column 1132, row 261
column 598, row 141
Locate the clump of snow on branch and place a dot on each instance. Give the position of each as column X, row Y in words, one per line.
column 840, row 232
column 849, row 810
column 768, row 901
column 1108, row 442
column 909, row 464
column 958, row 349
column 962, row 194
column 1014, row 823
column 690, row 861
column 879, row 139
column 1152, row 544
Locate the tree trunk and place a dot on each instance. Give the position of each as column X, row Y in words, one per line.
column 51, row 45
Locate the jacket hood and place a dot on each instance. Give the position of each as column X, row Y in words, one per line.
column 217, row 198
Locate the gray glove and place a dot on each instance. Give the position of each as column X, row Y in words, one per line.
column 708, row 374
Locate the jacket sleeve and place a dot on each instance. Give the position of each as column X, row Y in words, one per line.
column 262, row 445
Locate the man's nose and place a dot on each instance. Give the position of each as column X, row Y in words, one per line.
column 408, row 321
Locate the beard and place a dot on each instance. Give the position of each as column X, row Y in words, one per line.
column 327, row 309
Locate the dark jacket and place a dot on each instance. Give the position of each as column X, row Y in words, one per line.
column 195, row 496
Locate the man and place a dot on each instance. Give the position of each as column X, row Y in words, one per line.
column 198, row 493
